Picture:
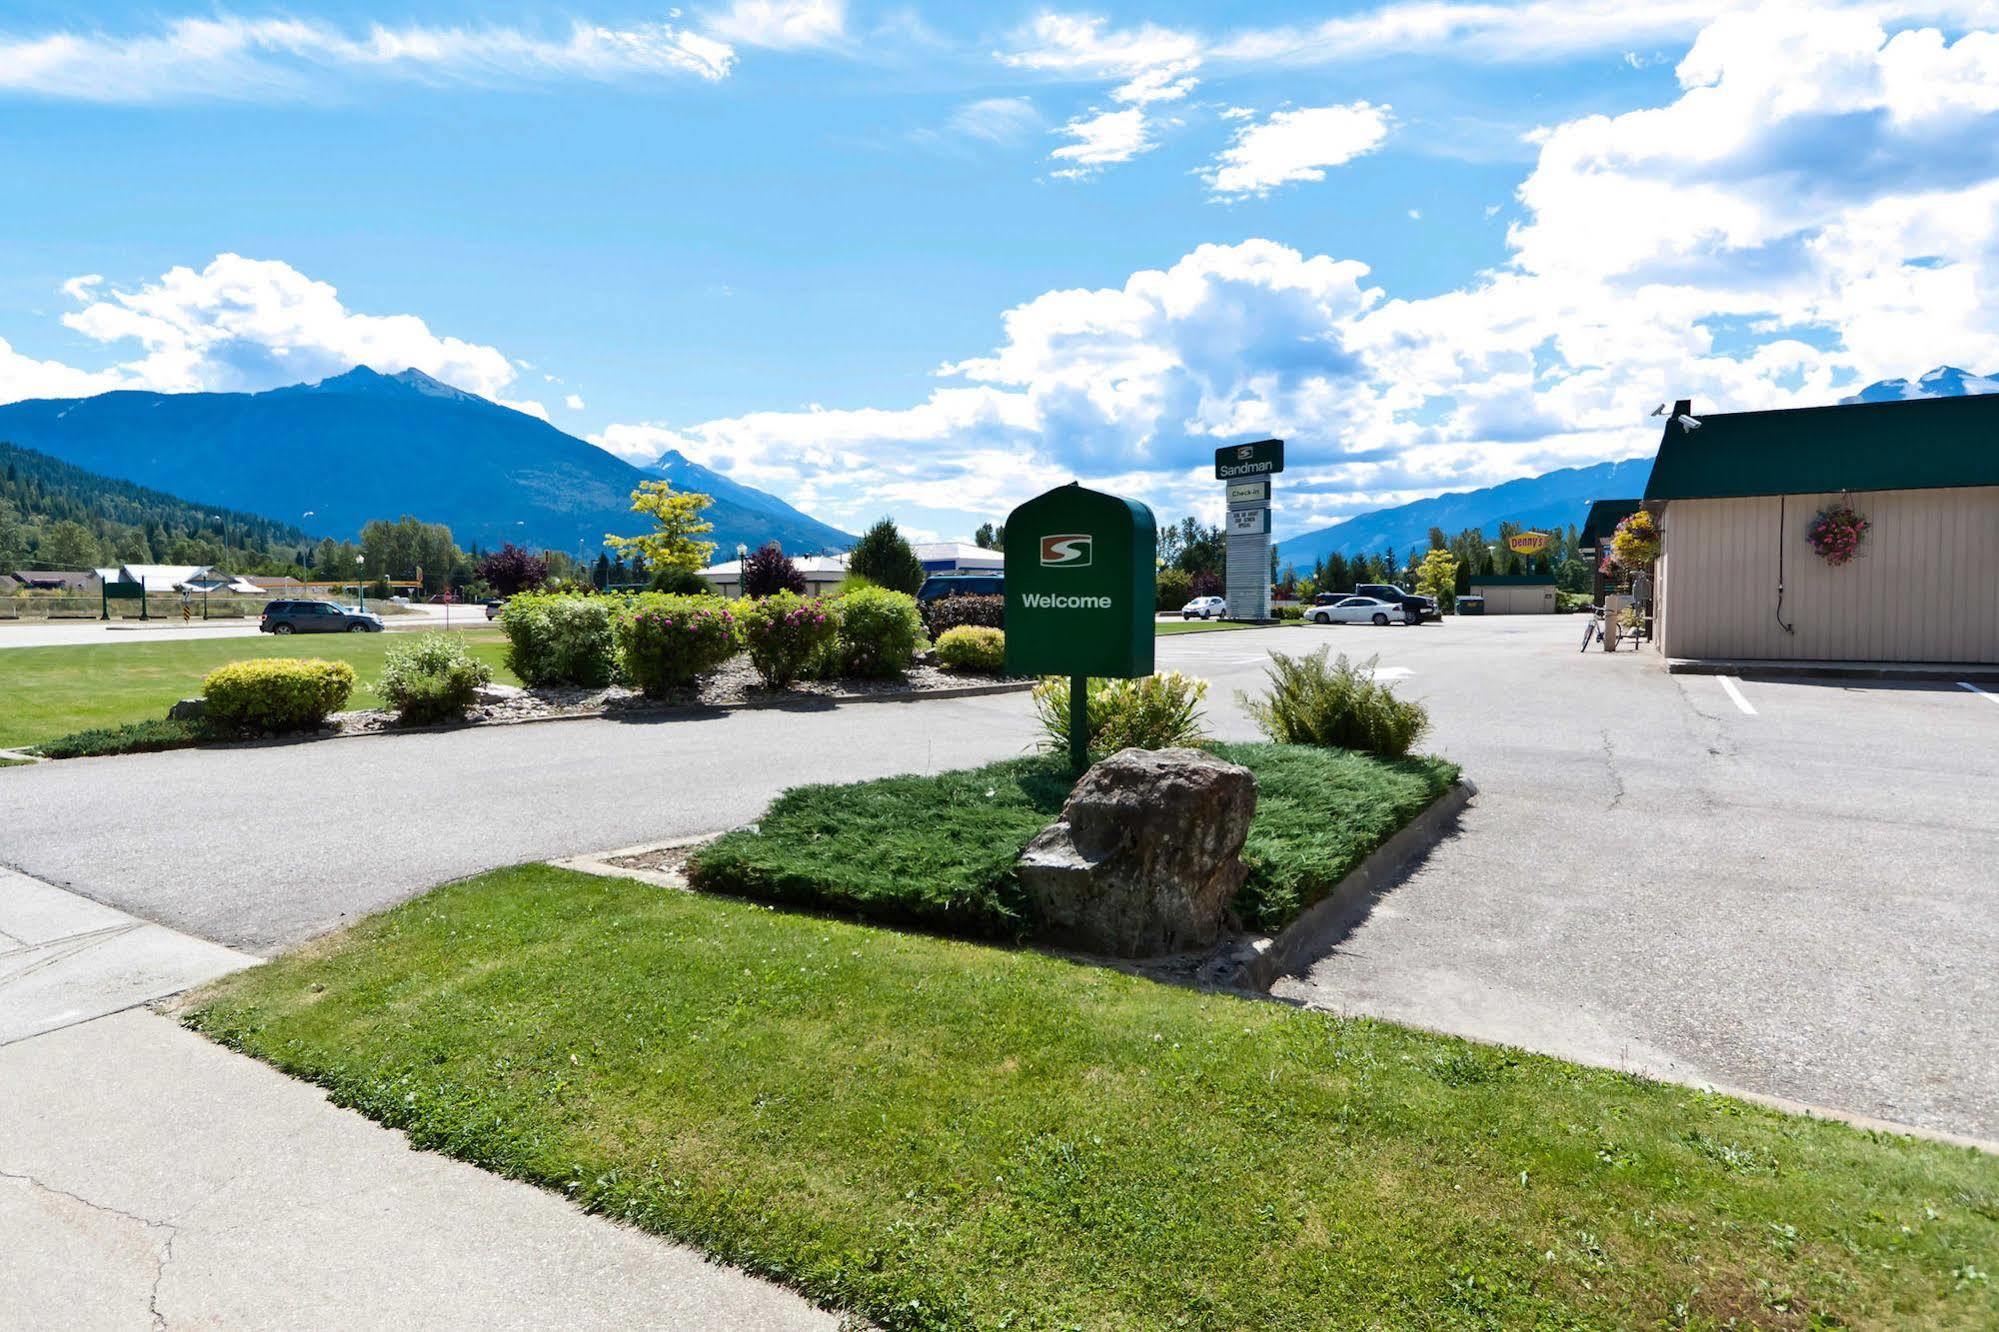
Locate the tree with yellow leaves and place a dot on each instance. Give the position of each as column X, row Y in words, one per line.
column 677, row 522
column 1437, row 578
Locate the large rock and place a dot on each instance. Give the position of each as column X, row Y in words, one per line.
column 188, row 709
column 1146, row 856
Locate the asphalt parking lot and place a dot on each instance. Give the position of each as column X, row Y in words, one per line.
column 1786, row 888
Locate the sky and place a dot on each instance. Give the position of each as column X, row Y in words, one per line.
column 927, row 260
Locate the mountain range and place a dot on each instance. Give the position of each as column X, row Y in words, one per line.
column 1553, row 500
column 330, row 456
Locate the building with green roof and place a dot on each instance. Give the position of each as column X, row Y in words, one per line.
column 1738, row 495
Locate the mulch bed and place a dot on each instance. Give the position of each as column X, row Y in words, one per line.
column 733, row 684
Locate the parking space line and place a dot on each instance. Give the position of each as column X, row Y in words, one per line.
column 1734, row 692
column 1989, row 698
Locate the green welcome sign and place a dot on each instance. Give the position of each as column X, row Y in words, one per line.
column 1079, row 592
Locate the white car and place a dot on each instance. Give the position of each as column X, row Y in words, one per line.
column 1358, row 610
column 1205, row 608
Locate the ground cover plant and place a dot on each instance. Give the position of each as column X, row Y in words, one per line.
column 940, row 1135
column 146, row 737
column 939, row 850
column 51, row 692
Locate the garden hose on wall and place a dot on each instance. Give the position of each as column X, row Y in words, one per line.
column 1781, row 500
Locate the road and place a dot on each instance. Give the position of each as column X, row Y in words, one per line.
column 73, row 633
column 1797, row 901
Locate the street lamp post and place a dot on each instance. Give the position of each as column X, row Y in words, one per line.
column 360, row 587
column 742, row 569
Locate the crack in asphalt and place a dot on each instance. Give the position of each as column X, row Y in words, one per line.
column 161, row 1256
column 1616, row 777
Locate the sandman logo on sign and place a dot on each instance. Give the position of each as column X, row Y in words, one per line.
column 1055, row 601
column 1068, row 550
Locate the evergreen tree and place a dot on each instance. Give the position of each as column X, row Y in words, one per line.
column 882, row 557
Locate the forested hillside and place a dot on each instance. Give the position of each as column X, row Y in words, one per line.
column 58, row 516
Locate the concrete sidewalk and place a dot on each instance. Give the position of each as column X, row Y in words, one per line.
column 150, row 1178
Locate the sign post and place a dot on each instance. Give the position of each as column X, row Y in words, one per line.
column 1080, row 594
column 1245, row 470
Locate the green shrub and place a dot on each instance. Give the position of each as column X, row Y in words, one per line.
column 1172, row 589
column 1569, row 603
column 560, row 639
column 879, row 631
column 1152, row 712
column 276, row 693
column 972, row 647
column 428, row 677
column 1287, row 612
column 947, row 613
column 785, row 633
column 1311, row 702
column 667, row 641
column 146, row 737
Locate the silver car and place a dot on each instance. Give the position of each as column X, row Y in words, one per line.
column 1358, row 610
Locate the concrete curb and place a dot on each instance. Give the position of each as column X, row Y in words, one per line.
column 599, row 862
column 1832, row 670
column 1322, row 924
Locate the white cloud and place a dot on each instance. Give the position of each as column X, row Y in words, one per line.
column 783, row 25
column 245, row 325
column 1101, row 139
column 1296, row 145
column 573, row 401
column 231, row 57
column 996, row 119
column 1817, row 208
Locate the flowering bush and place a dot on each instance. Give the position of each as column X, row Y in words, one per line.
column 784, row 632
column 1635, row 543
column 972, row 647
column 1836, row 533
column 668, row 641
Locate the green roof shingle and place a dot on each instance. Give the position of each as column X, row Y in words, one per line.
column 1922, row 444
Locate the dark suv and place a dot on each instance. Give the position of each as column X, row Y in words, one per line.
column 317, row 617
column 1416, row 609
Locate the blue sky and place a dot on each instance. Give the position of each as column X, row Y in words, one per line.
column 929, row 259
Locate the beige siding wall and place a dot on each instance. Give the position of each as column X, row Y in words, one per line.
column 1922, row 589
column 1504, row 600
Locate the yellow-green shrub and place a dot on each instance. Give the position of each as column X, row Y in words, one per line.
column 275, row 693
column 972, row 647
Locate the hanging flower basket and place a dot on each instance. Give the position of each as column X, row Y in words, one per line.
column 1635, row 543
column 1836, row 534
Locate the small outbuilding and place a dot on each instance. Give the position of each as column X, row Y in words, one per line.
column 1758, row 515
column 1515, row 594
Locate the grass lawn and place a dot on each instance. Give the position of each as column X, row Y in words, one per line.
column 939, row 851
column 51, row 692
column 947, row 1135
column 1195, row 626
